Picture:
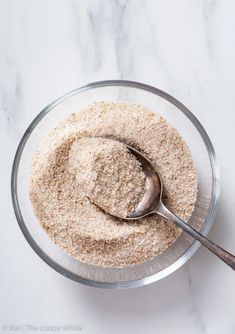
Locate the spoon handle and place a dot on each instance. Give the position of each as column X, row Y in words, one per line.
column 225, row 256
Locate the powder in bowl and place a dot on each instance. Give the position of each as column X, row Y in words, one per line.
column 76, row 224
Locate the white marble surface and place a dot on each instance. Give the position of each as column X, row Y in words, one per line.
column 184, row 47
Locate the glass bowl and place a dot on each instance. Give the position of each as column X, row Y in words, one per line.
column 203, row 155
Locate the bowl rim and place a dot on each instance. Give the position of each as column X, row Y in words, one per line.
column 213, row 204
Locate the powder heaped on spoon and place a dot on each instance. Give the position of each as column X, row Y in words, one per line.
column 108, row 174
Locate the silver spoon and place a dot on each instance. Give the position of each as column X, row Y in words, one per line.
column 152, row 203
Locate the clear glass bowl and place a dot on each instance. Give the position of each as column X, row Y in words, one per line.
column 203, row 155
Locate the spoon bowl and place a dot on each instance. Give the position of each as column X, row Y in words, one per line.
column 153, row 188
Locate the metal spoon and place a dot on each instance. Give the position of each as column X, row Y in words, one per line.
column 152, row 203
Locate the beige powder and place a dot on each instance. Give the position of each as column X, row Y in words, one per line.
column 78, row 226
column 108, row 174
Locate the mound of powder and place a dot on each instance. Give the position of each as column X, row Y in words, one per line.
column 108, row 174
column 76, row 224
